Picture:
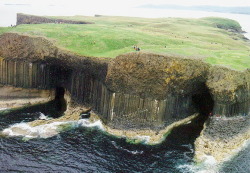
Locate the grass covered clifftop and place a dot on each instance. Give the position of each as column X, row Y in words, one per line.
column 216, row 40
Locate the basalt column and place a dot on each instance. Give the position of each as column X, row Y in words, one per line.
column 25, row 74
column 152, row 91
column 230, row 90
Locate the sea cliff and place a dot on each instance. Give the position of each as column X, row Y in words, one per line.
column 133, row 92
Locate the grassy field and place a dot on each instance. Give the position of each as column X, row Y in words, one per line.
column 111, row 36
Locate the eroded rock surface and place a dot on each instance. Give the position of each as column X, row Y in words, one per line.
column 135, row 91
column 222, row 138
column 156, row 76
column 20, row 46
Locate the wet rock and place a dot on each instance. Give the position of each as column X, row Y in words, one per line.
column 86, row 113
column 222, row 138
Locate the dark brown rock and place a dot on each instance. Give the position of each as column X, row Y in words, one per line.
column 156, row 76
column 135, row 90
column 32, row 49
column 14, row 45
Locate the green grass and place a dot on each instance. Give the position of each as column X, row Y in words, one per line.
column 112, row 36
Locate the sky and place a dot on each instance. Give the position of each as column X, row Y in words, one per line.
column 8, row 8
column 106, row 7
column 128, row 3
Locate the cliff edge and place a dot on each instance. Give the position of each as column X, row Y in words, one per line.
column 135, row 91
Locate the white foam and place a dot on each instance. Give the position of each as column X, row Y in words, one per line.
column 2, row 109
column 41, row 131
column 43, row 117
column 87, row 123
column 47, row 130
column 144, row 139
column 209, row 165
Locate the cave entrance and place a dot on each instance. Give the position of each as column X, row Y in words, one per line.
column 60, row 91
column 60, row 102
column 203, row 101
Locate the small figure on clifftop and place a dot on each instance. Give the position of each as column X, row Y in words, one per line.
column 136, row 48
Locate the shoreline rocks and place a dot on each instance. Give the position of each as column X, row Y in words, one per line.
column 222, row 138
column 136, row 93
column 11, row 97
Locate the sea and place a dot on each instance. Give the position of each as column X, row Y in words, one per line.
column 83, row 146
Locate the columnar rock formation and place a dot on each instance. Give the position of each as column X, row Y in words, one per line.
column 31, row 19
column 136, row 90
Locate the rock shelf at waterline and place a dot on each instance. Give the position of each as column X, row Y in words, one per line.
column 133, row 92
column 47, row 127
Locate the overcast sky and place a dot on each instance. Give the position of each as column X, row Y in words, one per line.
column 130, row 3
column 8, row 8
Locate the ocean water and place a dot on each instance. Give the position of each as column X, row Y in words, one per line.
column 84, row 147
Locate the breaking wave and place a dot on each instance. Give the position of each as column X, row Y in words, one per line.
column 27, row 131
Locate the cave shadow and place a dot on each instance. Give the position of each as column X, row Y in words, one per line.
column 203, row 101
column 186, row 134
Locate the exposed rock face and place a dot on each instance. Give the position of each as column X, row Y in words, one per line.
column 30, row 19
column 11, row 97
column 133, row 91
column 230, row 90
column 21, row 46
column 163, row 88
column 222, row 138
column 156, row 76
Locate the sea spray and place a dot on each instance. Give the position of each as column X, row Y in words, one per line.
column 47, row 130
column 41, row 131
column 208, row 166
column 3, row 109
column 43, row 117
column 88, row 123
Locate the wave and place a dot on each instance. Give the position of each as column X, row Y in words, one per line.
column 87, row 123
column 143, row 139
column 43, row 117
column 3, row 109
column 41, row 131
column 208, row 166
column 134, row 152
column 47, row 130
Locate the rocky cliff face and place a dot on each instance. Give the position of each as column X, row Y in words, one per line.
column 222, row 138
column 30, row 19
column 230, row 90
column 225, row 91
column 20, row 46
column 133, row 91
column 156, row 76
